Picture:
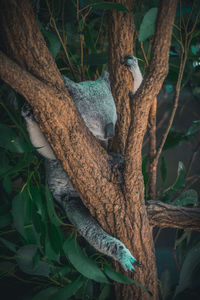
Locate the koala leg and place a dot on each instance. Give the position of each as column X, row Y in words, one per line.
column 80, row 217
column 36, row 136
column 131, row 63
column 89, row 228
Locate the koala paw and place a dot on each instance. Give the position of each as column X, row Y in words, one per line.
column 130, row 62
column 120, row 253
column 126, row 259
column 27, row 112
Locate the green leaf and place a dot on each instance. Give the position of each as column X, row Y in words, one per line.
column 11, row 141
column 46, row 294
column 81, row 262
column 25, row 260
column 173, row 139
column 105, row 292
column 18, row 213
column 62, row 272
column 50, row 208
column 191, row 261
column 186, row 198
column 89, row 39
column 180, row 179
column 69, row 290
column 54, row 42
column 147, row 26
column 112, row 274
column 5, row 220
column 193, row 128
column 38, row 199
column 7, row 184
column 178, row 185
column 163, row 169
column 6, row 268
column 55, row 238
column 23, row 162
column 49, row 250
column 11, row 246
column 108, row 5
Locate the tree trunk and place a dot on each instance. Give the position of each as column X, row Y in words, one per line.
column 115, row 199
column 131, row 127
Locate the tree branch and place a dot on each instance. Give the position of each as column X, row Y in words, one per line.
column 151, row 85
column 15, row 41
column 86, row 162
column 152, row 151
column 165, row 215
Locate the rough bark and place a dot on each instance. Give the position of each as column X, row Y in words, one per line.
column 121, row 38
column 165, row 215
column 119, row 208
column 138, row 235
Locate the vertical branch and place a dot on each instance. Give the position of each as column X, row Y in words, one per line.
column 121, row 36
column 152, row 150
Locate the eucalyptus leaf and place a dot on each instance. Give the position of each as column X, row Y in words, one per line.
column 6, row 268
column 11, row 246
column 186, row 198
column 25, row 260
column 5, row 220
column 190, row 263
column 193, row 128
column 55, row 238
column 45, row 294
column 112, row 274
column 69, row 290
column 54, row 42
column 178, row 184
column 105, row 292
column 11, row 141
column 147, row 26
column 50, row 208
column 7, row 184
column 81, row 262
column 18, row 213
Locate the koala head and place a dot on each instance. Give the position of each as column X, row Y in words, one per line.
column 96, row 106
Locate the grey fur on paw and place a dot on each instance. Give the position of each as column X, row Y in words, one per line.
column 130, row 61
column 27, row 112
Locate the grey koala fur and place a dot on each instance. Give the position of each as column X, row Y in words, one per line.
column 96, row 105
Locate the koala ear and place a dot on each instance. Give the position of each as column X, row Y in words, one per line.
column 109, row 130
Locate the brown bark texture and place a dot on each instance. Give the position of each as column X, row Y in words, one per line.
column 116, row 200
column 132, row 124
column 165, row 215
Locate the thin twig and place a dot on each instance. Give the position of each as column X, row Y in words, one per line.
column 196, row 150
column 53, row 24
column 100, row 29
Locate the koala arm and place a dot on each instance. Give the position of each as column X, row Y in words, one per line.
column 131, row 63
column 64, row 193
column 89, row 228
column 36, row 136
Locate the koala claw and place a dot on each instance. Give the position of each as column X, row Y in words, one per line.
column 127, row 260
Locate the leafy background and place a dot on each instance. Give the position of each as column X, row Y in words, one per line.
column 41, row 254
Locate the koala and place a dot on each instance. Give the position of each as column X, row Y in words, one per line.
column 96, row 105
